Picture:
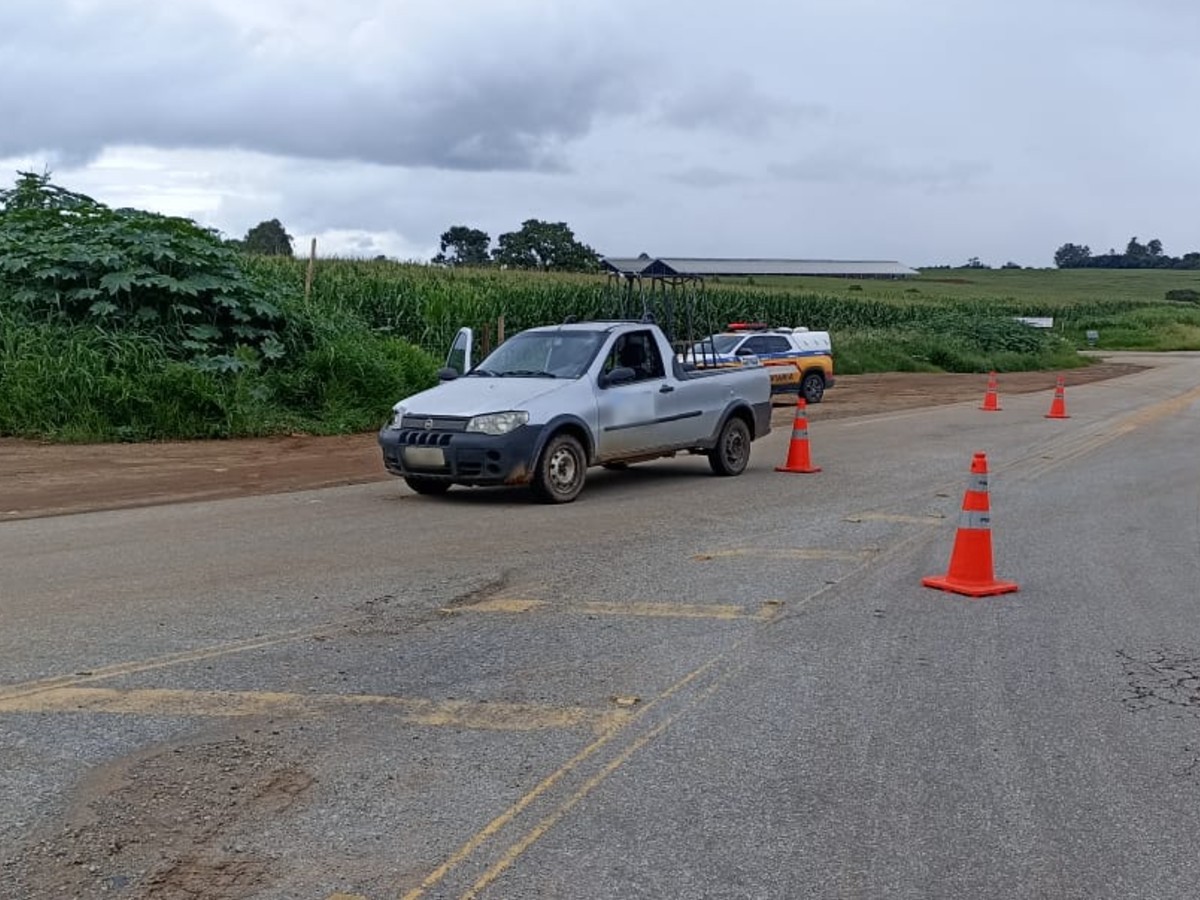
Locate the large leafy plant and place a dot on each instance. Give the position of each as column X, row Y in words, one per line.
column 65, row 257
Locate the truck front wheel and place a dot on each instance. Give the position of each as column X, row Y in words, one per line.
column 560, row 471
column 732, row 453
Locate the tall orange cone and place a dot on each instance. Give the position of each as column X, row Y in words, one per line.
column 798, row 457
column 971, row 559
column 1058, row 406
column 991, row 400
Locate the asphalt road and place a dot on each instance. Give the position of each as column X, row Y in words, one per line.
column 678, row 686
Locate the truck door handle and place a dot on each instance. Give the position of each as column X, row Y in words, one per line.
column 666, row 389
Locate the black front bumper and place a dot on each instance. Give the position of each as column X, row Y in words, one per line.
column 475, row 459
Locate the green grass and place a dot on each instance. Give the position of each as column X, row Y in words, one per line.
column 79, row 383
column 1040, row 289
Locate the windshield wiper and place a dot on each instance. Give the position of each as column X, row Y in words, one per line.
column 487, row 373
column 528, row 373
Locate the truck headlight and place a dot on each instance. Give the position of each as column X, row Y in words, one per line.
column 398, row 414
column 498, row 423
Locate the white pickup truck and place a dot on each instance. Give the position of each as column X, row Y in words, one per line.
column 550, row 402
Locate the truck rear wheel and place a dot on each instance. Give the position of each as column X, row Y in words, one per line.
column 812, row 386
column 560, row 471
column 732, row 453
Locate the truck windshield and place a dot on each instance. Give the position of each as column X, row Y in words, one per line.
column 542, row 354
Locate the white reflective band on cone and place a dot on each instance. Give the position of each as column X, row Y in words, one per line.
column 977, row 520
column 799, row 433
column 977, row 483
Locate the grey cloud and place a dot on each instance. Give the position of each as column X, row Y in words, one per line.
column 76, row 80
column 706, row 177
column 733, row 103
column 859, row 167
column 997, row 130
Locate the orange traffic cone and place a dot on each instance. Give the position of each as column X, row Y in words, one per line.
column 798, row 460
column 1058, row 406
column 971, row 559
column 991, row 400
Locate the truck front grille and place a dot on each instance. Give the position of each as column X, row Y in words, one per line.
column 425, row 439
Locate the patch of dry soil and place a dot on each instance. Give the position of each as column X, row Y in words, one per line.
column 38, row 479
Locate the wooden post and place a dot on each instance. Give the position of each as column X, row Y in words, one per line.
column 500, row 331
column 308, row 278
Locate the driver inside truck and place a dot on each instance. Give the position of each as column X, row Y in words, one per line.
column 636, row 351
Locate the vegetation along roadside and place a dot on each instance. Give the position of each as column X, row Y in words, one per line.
column 119, row 324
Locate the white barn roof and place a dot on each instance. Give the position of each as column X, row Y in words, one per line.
column 677, row 265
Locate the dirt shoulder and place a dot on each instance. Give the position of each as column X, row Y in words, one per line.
column 40, row 479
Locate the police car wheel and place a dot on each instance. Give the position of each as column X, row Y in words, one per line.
column 813, row 387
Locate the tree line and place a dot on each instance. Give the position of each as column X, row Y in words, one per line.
column 1137, row 255
column 545, row 246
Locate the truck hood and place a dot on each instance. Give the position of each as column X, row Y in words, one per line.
column 478, row 395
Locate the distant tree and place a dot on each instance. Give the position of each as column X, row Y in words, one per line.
column 1011, row 265
column 466, row 246
column 1134, row 250
column 974, row 263
column 546, row 246
column 268, row 239
column 1154, row 247
column 1072, row 256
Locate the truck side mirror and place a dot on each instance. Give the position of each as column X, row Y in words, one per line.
column 445, row 373
column 619, row 375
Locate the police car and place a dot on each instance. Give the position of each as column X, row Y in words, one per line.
column 799, row 360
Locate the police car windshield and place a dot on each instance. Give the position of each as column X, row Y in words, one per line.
column 720, row 343
column 543, row 354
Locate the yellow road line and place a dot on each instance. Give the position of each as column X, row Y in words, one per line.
column 498, row 823
column 161, row 662
column 416, row 711
column 514, row 852
column 500, row 605
column 1090, row 442
column 667, row 610
column 516, row 605
column 790, row 553
column 468, row 849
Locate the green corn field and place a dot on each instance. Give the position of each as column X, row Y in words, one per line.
column 876, row 326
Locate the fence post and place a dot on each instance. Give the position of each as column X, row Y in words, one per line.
column 308, row 278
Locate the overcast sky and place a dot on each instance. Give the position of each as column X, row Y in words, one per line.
column 926, row 131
